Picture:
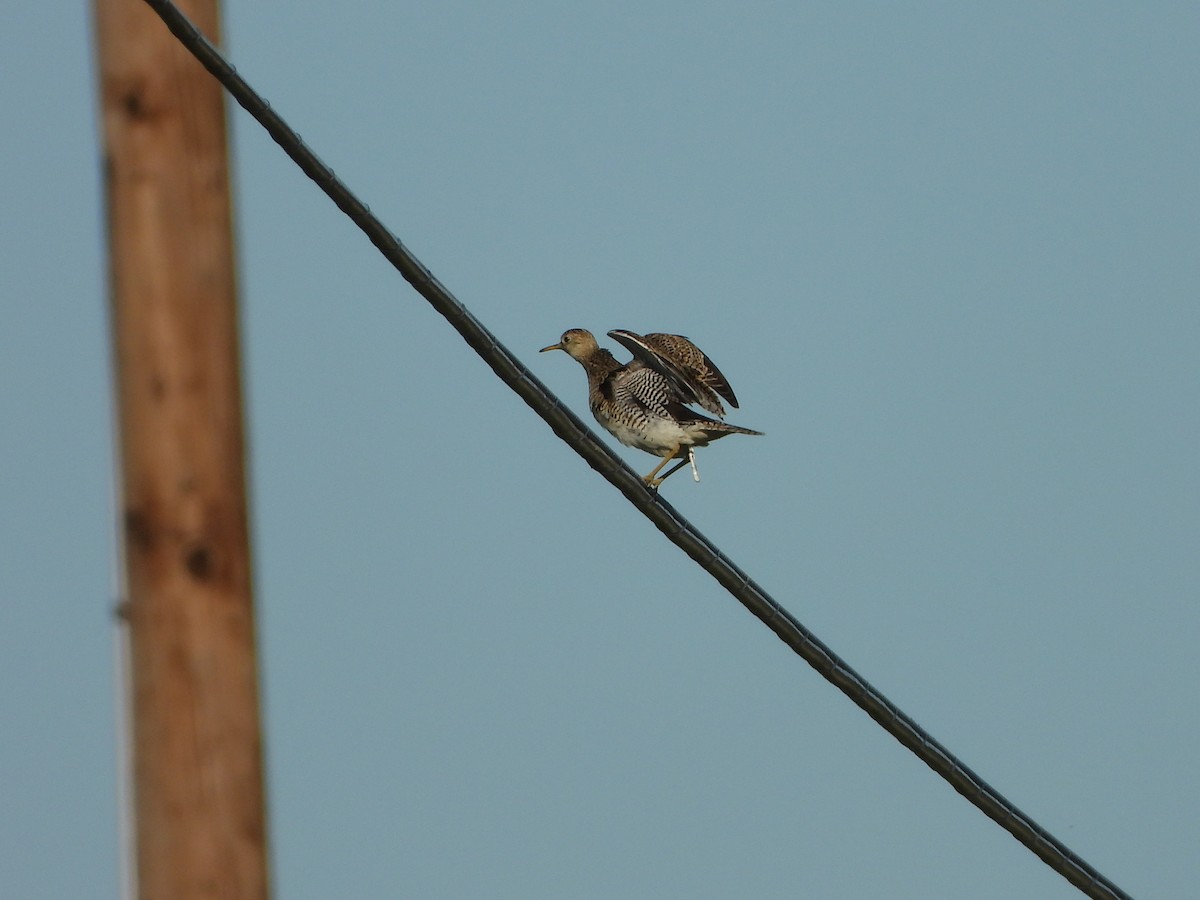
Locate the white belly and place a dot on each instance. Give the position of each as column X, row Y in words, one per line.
column 658, row 436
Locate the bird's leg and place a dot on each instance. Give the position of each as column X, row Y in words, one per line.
column 683, row 462
column 653, row 482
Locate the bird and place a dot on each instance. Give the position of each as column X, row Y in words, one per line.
column 644, row 403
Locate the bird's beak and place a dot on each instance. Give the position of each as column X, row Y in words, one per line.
column 552, row 347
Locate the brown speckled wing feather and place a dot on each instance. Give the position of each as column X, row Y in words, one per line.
column 694, row 376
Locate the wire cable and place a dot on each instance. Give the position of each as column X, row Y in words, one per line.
column 600, row 457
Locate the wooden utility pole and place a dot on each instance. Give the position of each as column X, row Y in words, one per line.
column 198, row 813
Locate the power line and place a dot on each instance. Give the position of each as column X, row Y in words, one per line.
column 664, row 516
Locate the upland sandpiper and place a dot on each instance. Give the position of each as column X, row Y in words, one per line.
column 644, row 403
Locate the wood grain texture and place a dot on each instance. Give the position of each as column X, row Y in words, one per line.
column 200, row 825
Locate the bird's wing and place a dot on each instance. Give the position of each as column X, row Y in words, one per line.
column 647, row 389
column 692, row 374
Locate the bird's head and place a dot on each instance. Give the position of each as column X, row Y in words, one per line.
column 577, row 342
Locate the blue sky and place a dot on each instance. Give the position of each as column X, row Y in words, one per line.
column 945, row 253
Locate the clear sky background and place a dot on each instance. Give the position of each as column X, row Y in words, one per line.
column 949, row 256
